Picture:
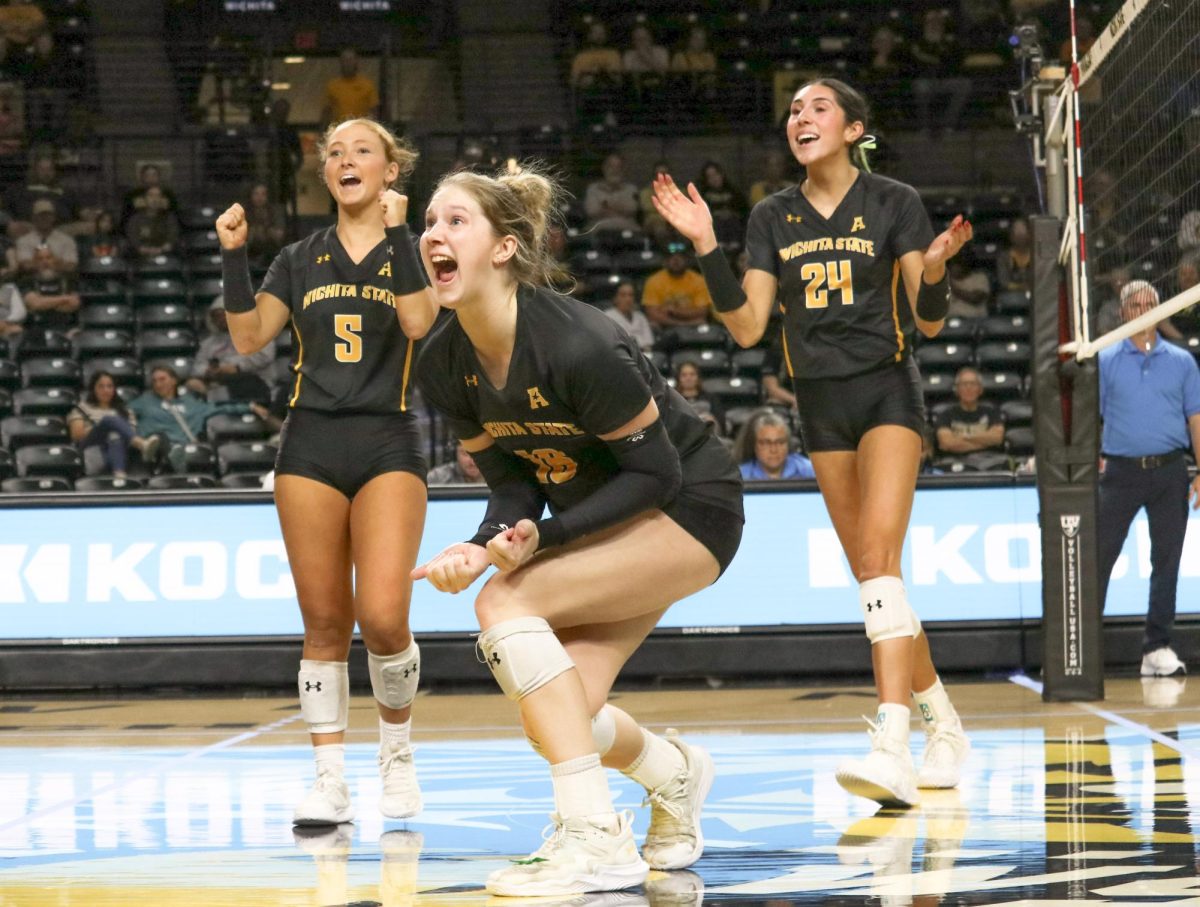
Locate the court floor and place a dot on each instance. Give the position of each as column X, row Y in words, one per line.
column 188, row 802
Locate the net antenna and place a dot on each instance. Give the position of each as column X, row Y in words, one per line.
column 1134, row 154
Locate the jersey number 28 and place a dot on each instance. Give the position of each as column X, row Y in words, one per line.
column 834, row 274
column 348, row 329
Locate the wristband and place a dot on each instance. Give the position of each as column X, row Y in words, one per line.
column 933, row 299
column 408, row 274
column 487, row 532
column 235, row 281
column 727, row 294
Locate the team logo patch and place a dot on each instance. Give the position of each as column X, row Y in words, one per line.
column 472, row 380
column 536, row 400
column 857, row 225
column 386, row 270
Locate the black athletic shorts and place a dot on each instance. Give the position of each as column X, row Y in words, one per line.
column 347, row 450
column 717, row 528
column 836, row 412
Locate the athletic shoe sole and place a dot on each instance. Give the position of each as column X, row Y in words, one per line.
column 605, row 878
column 402, row 814
column 864, row 787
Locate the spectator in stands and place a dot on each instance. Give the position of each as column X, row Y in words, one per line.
column 644, row 57
column 176, row 418
column 928, row 449
column 1085, row 37
column 690, row 384
column 1187, row 275
column 611, row 203
column 887, row 72
column 105, row 240
column 625, row 312
column 776, row 177
column 149, row 176
column 220, row 372
column 50, row 297
column 776, row 384
column 21, row 21
column 1108, row 302
column 1150, row 404
column 459, row 471
column 652, row 222
column 49, row 79
column 675, row 294
column 763, row 449
column 350, row 94
column 266, row 225
column 43, row 183
column 970, row 286
column 285, row 154
column 597, row 63
column 696, row 63
column 1014, row 266
column 727, row 204
column 969, row 424
column 64, row 253
column 12, row 311
column 1189, row 231
column 936, row 57
column 153, row 230
column 12, row 124
column 103, row 429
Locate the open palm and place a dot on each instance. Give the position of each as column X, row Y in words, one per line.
column 688, row 213
column 948, row 243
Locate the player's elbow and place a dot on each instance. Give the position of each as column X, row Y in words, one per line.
column 245, row 344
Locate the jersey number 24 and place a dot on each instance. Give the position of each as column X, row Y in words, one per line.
column 835, row 275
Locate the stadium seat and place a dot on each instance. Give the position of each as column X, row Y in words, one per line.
column 199, row 457
column 36, row 460
column 99, row 291
column 1017, row 413
column 1013, row 304
column 591, row 261
column 202, row 241
column 41, row 342
column 709, row 361
column 937, row 388
column 199, row 217
column 235, row 427
column 748, row 363
column 660, row 361
column 943, row 357
column 640, row 262
column 176, row 482
column 181, row 365
column 617, row 241
column 1001, row 386
column 157, row 343
column 113, row 315
column 204, row 290
column 158, row 290
column 103, row 267
column 1012, row 356
column 246, row 480
column 1005, row 327
column 125, row 370
column 957, row 330
column 20, row 431
column 54, row 372
column 598, row 287
column 733, row 392
column 164, row 315
column 158, row 266
column 252, row 456
column 6, row 402
column 204, row 265
column 695, row 337
column 43, row 401
column 10, row 374
column 7, row 468
column 93, row 342
column 43, row 484
column 107, row 483
column 1019, row 441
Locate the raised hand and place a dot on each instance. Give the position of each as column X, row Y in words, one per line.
column 231, row 227
column 688, row 213
column 513, row 547
column 946, row 245
column 455, row 568
column 394, row 206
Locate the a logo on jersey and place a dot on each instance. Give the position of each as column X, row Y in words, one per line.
column 472, row 380
column 793, row 218
column 857, row 225
column 386, row 270
column 536, row 400
column 323, row 259
column 871, row 606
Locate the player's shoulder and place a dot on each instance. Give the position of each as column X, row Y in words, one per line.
column 888, row 190
column 310, row 248
column 777, row 204
column 442, row 340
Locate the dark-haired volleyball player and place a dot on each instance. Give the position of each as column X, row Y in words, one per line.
column 558, row 406
column 854, row 263
column 349, row 482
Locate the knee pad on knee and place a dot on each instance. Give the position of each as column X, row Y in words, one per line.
column 523, row 655
column 394, row 677
column 324, row 695
column 886, row 613
column 604, row 730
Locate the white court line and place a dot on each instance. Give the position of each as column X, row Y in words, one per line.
column 117, row 785
column 1169, row 742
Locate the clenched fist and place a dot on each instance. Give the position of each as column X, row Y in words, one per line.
column 395, row 207
column 231, row 227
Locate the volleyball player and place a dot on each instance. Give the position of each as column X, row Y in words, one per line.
column 557, row 405
column 840, row 251
column 349, row 478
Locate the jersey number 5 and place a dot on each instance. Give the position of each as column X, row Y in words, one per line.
column 552, row 465
column 835, row 274
column 347, row 328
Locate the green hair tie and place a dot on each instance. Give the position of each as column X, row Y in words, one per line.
column 868, row 143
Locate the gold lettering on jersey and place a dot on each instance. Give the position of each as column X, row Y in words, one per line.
column 536, row 400
column 519, row 429
column 379, row 294
column 828, row 244
column 504, row 429
column 472, row 380
column 348, row 291
column 552, row 428
column 857, row 225
column 386, row 270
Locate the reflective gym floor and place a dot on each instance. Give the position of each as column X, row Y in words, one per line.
column 188, row 802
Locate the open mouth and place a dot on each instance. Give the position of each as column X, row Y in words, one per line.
column 349, row 179
column 806, row 138
column 444, row 268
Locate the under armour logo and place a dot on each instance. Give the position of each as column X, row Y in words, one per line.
column 472, row 380
column 412, row 669
column 793, row 218
column 871, row 606
column 494, row 659
column 312, row 686
column 321, row 259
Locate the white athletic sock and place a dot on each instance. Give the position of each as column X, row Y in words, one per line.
column 331, row 757
column 935, row 707
column 893, row 721
column 581, row 788
column 394, row 737
column 656, row 764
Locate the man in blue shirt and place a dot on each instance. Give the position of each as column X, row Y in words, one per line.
column 762, row 450
column 1150, row 404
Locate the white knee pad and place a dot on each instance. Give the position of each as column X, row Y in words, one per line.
column 324, row 695
column 394, row 677
column 885, row 609
column 604, row 730
column 523, row 655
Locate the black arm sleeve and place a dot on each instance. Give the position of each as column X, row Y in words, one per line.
column 408, row 274
column 235, row 280
column 515, row 494
column 933, row 299
column 649, row 477
column 727, row 294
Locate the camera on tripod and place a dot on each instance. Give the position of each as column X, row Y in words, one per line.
column 1026, row 41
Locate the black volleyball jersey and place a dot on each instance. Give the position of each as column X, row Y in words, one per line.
column 845, row 308
column 348, row 350
column 574, row 375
